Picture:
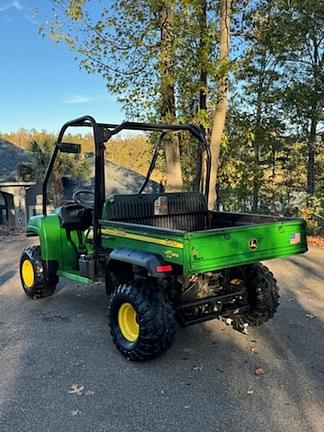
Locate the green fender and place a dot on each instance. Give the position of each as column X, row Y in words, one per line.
column 52, row 240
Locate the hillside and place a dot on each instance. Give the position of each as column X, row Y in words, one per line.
column 133, row 152
column 119, row 179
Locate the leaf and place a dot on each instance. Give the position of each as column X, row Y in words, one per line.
column 198, row 368
column 76, row 389
column 259, row 371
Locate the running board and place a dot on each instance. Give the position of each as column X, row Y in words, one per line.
column 75, row 277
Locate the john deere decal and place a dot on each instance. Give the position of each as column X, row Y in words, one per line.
column 253, row 244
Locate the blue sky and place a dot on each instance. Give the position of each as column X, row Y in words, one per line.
column 41, row 85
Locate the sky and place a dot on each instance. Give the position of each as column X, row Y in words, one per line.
column 41, row 85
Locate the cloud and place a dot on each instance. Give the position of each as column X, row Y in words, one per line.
column 73, row 98
column 28, row 13
column 77, row 99
column 15, row 4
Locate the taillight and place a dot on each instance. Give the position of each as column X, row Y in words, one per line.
column 164, row 268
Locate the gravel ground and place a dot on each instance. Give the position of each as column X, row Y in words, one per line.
column 206, row 382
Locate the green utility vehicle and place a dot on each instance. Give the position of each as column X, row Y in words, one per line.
column 164, row 257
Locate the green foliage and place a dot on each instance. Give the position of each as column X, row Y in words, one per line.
column 120, row 43
column 135, row 153
column 272, row 149
column 312, row 210
column 278, row 106
column 66, row 165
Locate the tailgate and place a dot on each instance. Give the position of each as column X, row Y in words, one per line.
column 228, row 247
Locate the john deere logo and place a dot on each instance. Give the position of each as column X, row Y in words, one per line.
column 253, row 244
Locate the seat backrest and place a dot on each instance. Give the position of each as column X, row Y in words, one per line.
column 184, row 211
column 74, row 217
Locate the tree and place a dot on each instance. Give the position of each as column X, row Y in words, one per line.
column 297, row 36
column 159, row 57
column 222, row 102
column 171, row 60
column 167, row 91
column 131, row 45
column 67, row 165
column 259, row 101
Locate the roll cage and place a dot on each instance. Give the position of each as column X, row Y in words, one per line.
column 102, row 132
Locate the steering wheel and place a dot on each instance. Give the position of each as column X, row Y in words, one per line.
column 86, row 203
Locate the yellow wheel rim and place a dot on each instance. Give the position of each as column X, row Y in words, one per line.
column 27, row 273
column 127, row 322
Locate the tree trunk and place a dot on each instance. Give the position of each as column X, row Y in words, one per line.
column 311, row 144
column 168, row 109
column 203, row 58
column 311, row 157
column 257, row 132
column 222, row 104
column 203, row 55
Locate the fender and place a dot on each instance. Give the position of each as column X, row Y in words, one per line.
column 149, row 261
column 52, row 240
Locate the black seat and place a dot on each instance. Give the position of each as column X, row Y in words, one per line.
column 185, row 211
column 75, row 217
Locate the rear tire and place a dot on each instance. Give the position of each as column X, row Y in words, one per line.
column 32, row 277
column 142, row 322
column 263, row 294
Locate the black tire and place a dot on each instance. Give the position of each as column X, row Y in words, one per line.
column 119, row 273
column 154, row 316
column 263, row 294
column 38, row 286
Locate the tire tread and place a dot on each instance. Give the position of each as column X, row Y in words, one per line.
column 157, row 321
column 42, row 288
column 263, row 294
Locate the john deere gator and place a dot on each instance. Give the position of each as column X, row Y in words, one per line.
column 165, row 258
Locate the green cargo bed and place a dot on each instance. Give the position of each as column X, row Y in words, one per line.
column 233, row 239
column 232, row 246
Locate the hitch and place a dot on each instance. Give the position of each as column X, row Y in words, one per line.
column 241, row 326
column 238, row 324
column 219, row 306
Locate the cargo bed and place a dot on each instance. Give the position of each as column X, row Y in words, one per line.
column 242, row 239
column 199, row 240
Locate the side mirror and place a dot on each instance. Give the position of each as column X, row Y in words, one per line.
column 69, row 148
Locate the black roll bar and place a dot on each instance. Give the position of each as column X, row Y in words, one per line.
column 99, row 169
column 102, row 132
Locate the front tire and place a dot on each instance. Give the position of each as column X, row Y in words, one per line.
column 263, row 294
column 32, row 277
column 142, row 322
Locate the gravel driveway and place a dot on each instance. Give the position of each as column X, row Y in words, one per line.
column 59, row 371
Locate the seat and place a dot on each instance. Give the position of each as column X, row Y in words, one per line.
column 75, row 217
column 186, row 211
